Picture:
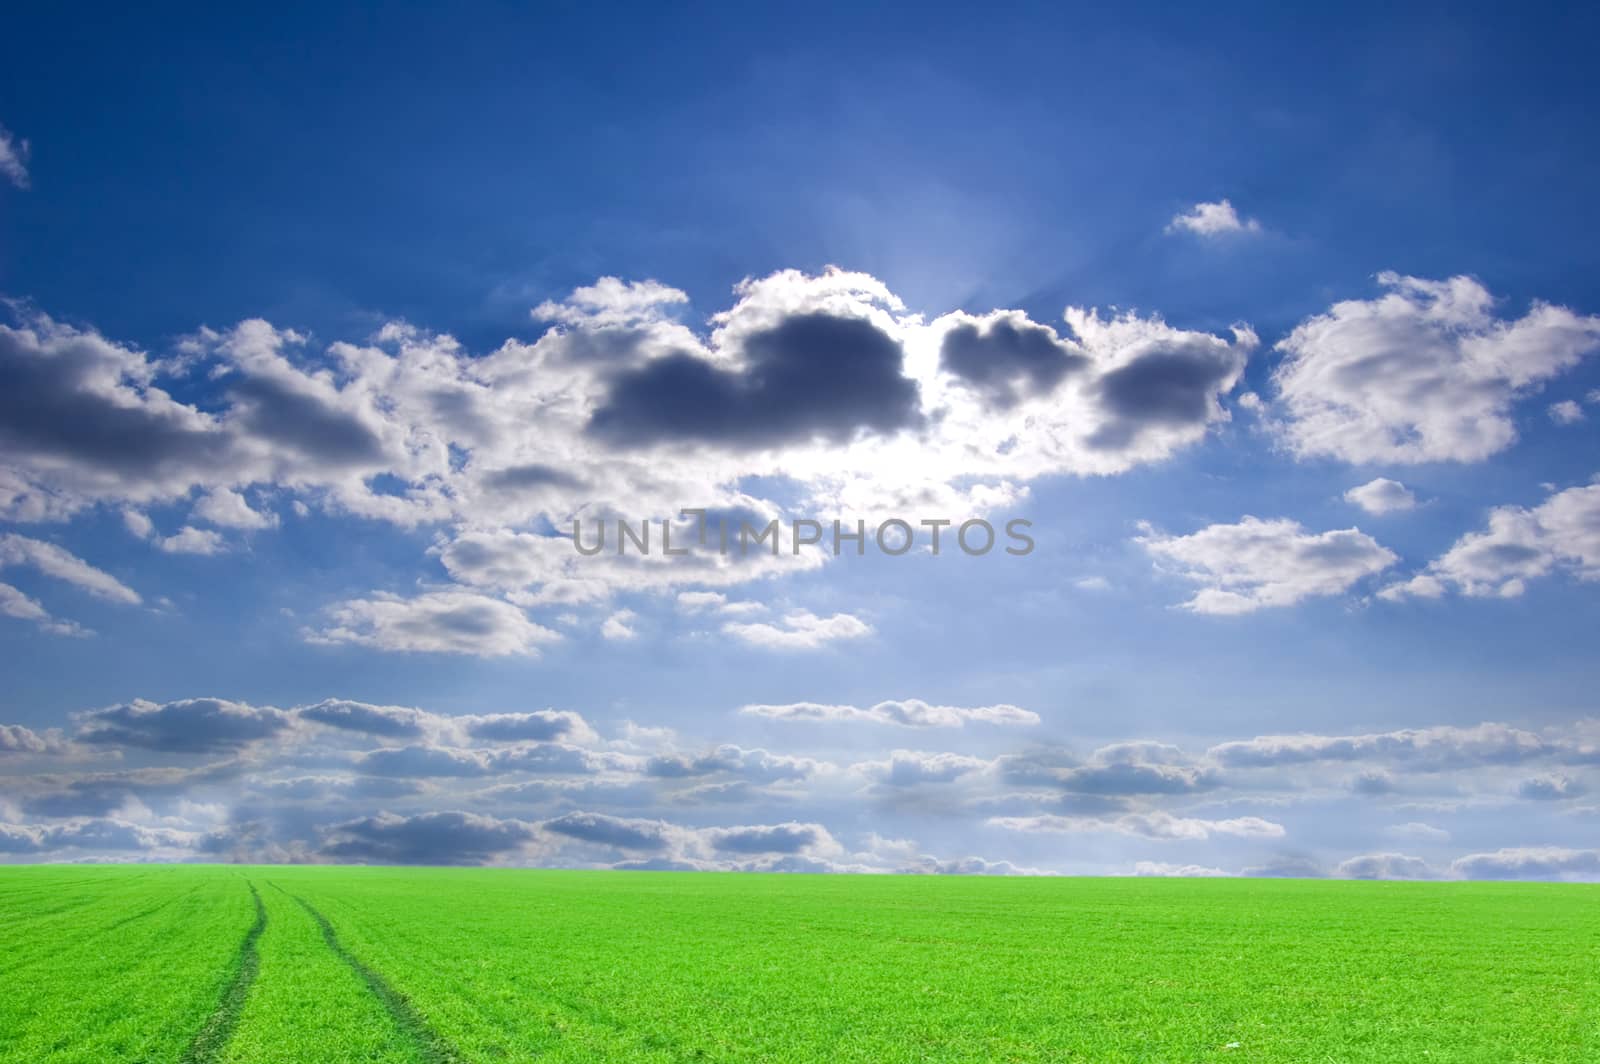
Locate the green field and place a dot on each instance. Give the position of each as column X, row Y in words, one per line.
column 174, row 963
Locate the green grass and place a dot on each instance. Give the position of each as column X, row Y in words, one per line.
column 488, row 965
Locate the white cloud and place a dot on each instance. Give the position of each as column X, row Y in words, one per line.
column 63, row 565
column 1382, row 496
column 229, row 509
column 1158, row 825
column 1162, row 868
column 14, row 603
column 1566, row 412
column 910, row 712
column 1256, row 564
column 1425, row 373
column 800, row 630
column 1530, row 862
column 1212, row 219
column 1562, row 533
column 13, row 159
column 618, row 626
column 191, row 540
column 1443, row 746
column 137, row 523
column 441, row 622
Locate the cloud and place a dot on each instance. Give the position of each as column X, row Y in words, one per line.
column 442, row 838
column 1006, row 358
column 757, row 765
column 53, row 561
column 437, row 622
column 229, row 509
column 1550, row 788
column 1385, row 866
column 1439, row 747
column 1530, row 862
column 193, row 541
column 1186, row 871
column 617, row 627
column 800, row 630
column 1211, row 220
column 1566, row 412
column 393, row 722
column 186, row 726
column 1382, row 496
column 14, row 603
column 421, row 761
column 611, row 301
column 1256, row 564
column 1159, row 825
column 13, row 159
column 910, row 713
column 1561, row 533
column 811, row 376
column 15, row 739
column 1424, row 373
column 625, row 834
column 541, row 725
column 96, row 834
column 775, row 838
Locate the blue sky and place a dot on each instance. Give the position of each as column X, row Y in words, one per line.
column 311, row 344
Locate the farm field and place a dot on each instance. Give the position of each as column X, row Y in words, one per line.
column 265, row 964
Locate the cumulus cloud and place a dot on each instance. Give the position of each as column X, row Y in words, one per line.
column 1385, row 866
column 230, row 509
column 909, row 712
column 1256, row 564
column 13, row 159
column 441, row 838
column 1382, row 496
column 799, row 630
column 541, row 725
column 1560, row 534
column 1212, row 219
column 1566, row 412
column 393, row 722
column 436, row 622
column 1424, row 373
column 909, row 768
column 619, row 626
column 192, row 540
column 15, row 739
column 1550, row 788
column 185, row 726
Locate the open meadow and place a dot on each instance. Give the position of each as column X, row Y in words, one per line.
column 205, row 963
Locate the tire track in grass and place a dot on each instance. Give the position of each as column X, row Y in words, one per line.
column 212, row 1038
column 431, row 1046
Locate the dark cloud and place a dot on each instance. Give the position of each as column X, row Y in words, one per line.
column 446, row 838
column 74, row 398
column 1174, row 387
column 417, row 760
column 814, row 376
column 539, row 726
column 289, row 415
column 606, row 830
column 532, row 475
column 1009, row 360
column 397, row 722
column 776, row 838
column 187, row 726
